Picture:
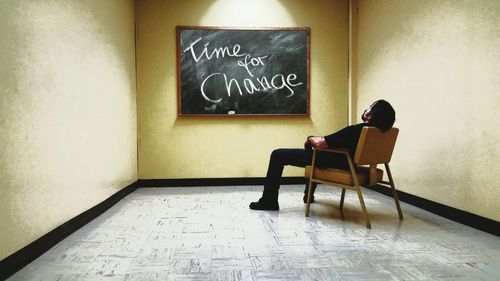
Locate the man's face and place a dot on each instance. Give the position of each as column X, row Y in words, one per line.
column 367, row 115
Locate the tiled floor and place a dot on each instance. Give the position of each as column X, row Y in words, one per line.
column 208, row 233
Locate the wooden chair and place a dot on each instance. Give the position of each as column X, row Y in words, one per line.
column 374, row 147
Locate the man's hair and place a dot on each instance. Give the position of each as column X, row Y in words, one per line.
column 383, row 115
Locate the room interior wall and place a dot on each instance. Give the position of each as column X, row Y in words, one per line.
column 172, row 147
column 437, row 63
column 68, row 108
column 67, row 112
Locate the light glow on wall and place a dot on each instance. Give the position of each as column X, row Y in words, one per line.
column 247, row 13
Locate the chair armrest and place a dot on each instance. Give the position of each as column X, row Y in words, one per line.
column 338, row 150
column 335, row 149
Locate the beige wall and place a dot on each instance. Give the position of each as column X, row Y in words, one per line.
column 172, row 147
column 67, row 112
column 438, row 63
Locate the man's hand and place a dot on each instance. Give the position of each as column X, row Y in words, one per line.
column 307, row 144
column 316, row 142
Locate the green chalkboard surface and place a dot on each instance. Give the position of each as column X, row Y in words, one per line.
column 229, row 71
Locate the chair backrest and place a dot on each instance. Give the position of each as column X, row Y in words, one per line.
column 374, row 146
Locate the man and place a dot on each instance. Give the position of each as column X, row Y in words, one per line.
column 380, row 114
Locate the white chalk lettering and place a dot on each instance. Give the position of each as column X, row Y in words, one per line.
column 253, row 62
column 264, row 83
column 249, row 83
column 278, row 82
column 200, row 50
column 282, row 81
column 228, row 85
column 289, row 78
column 191, row 47
column 292, row 76
column 203, row 88
column 217, row 52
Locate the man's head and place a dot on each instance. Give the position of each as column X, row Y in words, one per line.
column 380, row 114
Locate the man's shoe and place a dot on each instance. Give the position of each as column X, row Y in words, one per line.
column 265, row 206
column 305, row 198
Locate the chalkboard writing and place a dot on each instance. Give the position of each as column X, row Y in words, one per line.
column 242, row 71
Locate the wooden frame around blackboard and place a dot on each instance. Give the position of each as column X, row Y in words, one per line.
column 225, row 71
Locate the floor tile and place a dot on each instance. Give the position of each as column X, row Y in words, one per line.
column 209, row 233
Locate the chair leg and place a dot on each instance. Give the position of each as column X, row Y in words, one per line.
column 394, row 193
column 309, row 194
column 363, row 207
column 342, row 198
column 354, row 177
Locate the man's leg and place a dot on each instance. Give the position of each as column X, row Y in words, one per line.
column 306, row 190
column 278, row 160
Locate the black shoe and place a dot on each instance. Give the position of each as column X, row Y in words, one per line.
column 266, row 206
column 305, row 199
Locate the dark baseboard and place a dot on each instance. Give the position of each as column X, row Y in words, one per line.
column 213, row 182
column 26, row 255
column 463, row 217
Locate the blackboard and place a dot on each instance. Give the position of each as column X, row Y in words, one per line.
column 229, row 71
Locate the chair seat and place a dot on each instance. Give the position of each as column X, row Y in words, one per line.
column 343, row 176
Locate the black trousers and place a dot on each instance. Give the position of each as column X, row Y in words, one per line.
column 299, row 158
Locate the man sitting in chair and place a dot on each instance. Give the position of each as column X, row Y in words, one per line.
column 380, row 114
